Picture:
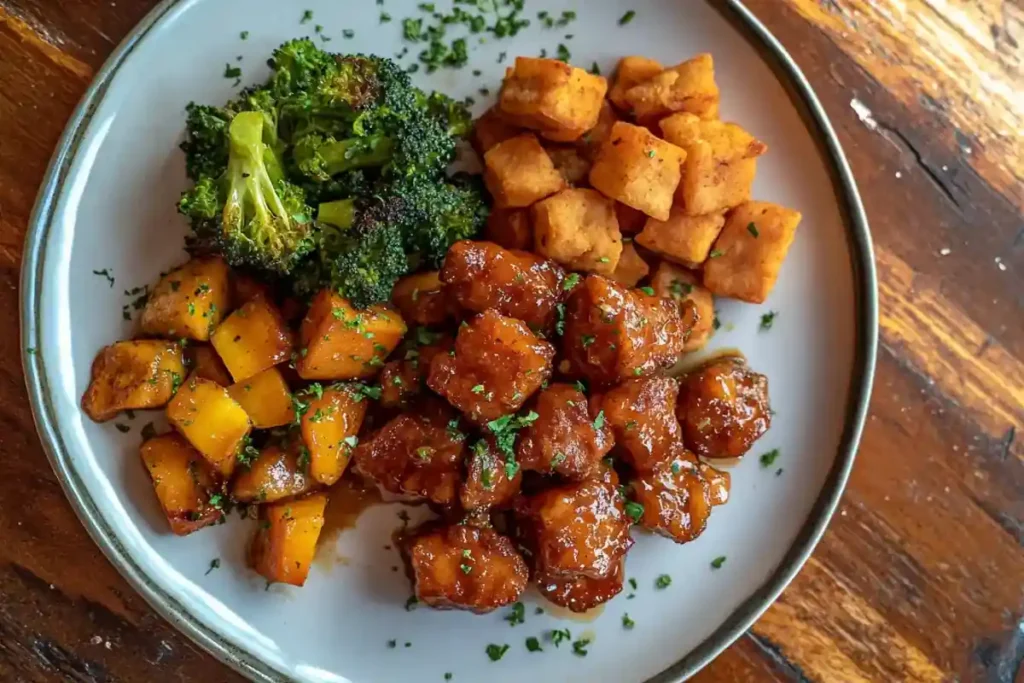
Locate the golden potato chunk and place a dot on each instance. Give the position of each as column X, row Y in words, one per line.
column 403, row 380
column 340, row 342
column 632, row 268
column 682, row 238
column 331, row 419
column 133, row 375
column 723, row 408
column 642, row 415
column 560, row 101
column 482, row 276
column 578, row 228
column 750, row 251
column 465, row 567
column 676, row 499
column 282, row 549
column 688, row 87
column 421, row 299
column 265, row 397
column 638, row 169
column 582, row 593
column 590, row 144
column 682, row 129
column 279, row 472
column 518, row 172
column 497, row 365
column 211, row 420
column 567, row 438
column 492, row 129
column 252, row 339
column 672, row 282
column 183, row 483
column 510, row 228
column 206, row 364
column 188, row 302
column 632, row 70
column 492, row 478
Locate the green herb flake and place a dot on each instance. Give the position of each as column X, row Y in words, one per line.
column 718, row 562
column 392, row 644
column 533, row 645
column 715, row 253
column 232, row 71
column 767, row 320
column 627, row 623
column 768, row 459
column 496, row 652
column 563, row 53
column 649, row 291
column 627, row 17
column 244, row 35
column 123, row 428
column 306, row 16
column 579, row 647
column 559, row 636
column 663, row 582
column 517, row 615
column 599, row 420
column 105, row 273
column 635, row 511
column 752, row 229
column 385, row 18
column 214, row 564
column 595, row 69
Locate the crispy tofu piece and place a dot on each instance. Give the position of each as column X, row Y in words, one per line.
column 570, row 162
column 632, row 268
column 284, row 545
column 329, row 428
column 673, row 282
column 638, row 169
column 688, row 87
column 266, row 398
column 560, row 101
column 491, row 129
column 750, row 251
column 278, row 472
column 632, row 70
column 189, row 301
column 510, row 228
column 683, row 239
column 183, row 483
column 578, row 228
column 518, row 172
column 421, row 299
column 682, row 129
column 133, row 375
column 212, row 421
column 591, row 142
column 252, row 339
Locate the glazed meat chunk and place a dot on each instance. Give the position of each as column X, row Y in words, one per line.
column 575, row 530
column 488, row 482
column 518, row 284
column 582, row 593
column 403, row 380
column 416, row 455
column 567, row 438
column 642, row 414
column 723, row 408
column 498, row 363
column 613, row 333
column 465, row 567
column 720, row 482
column 420, row 299
column 676, row 498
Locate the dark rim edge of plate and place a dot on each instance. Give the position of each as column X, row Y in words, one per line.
column 866, row 297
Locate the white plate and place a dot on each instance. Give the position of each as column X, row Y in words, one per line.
column 108, row 203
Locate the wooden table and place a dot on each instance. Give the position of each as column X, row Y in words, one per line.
column 921, row 574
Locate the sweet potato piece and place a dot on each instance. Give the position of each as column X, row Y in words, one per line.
column 133, row 375
column 750, row 251
column 518, row 172
column 578, row 228
column 189, row 301
column 682, row 238
column 329, row 427
column 340, row 342
column 638, row 169
column 205, row 363
column 688, row 87
column 631, row 268
column 278, row 472
column 265, row 397
column 285, row 542
column 491, row 129
column 183, row 483
column 672, row 282
column 211, row 420
column 252, row 339
column 420, row 299
column 560, row 101
column 510, row 228
column 631, row 71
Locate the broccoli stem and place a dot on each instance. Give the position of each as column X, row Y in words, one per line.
column 340, row 213
column 252, row 207
column 346, row 155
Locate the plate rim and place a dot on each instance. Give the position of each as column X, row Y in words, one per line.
column 248, row 663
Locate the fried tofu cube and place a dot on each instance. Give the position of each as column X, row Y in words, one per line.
column 340, row 342
column 688, row 87
column 266, row 398
column 682, row 129
column 133, row 375
column 329, row 428
column 518, row 172
column 205, row 363
column 252, row 339
column 510, row 228
column 672, row 282
column 638, row 169
column 591, row 142
column 570, row 162
column 183, row 483
column 632, row 268
column 578, row 228
column 421, row 299
column 285, row 543
column 632, row 70
column 750, row 251
column 189, row 301
column 491, row 129
column 560, row 101
column 278, row 472
column 212, row 421
column 682, row 238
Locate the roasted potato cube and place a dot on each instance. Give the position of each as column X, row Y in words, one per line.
column 676, row 499
column 283, row 547
column 632, row 70
column 518, row 172
column 682, row 129
column 631, row 221
column 488, row 482
column 560, row 101
column 590, row 144
column 570, row 162
column 265, row 398
column 567, row 438
column 330, row 423
column 245, row 288
column 750, row 251
column 682, row 238
column 672, row 282
column 582, row 593
column 517, row 284
column 688, row 87
column 723, row 408
column 189, row 301
column 632, row 268
column 211, row 420
column 578, row 228
column 183, row 483
column 491, row 129
column 205, row 363
column 340, row 342
column 133, row 375
column 252, row 339
column 420, row 299
column 642, row 415
column 510, row 228
column 278, row 472
column 638, row 169
column 719, row 482
column 497, row 365
column 465, row 567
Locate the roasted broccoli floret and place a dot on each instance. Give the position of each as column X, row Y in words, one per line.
column 321, row 158
column 206, row 140
column 441, row 212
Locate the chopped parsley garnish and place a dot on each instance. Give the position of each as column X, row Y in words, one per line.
column 447, row 675
column 392, row 644
column 752, row 229
column 517, row 615
column 466, row 569
column 649, row 291
column 718, row 562
column 627, row 623
column 496, row 652
column 123, row 428
column 768, row 319
column 599, row 420
column 716, row 323
column 635, row 511
column 478, row 389
column 106, row 274
column 232, row 71
column 563, row 53
column 627, row 17
column 411, row 603
column 385, row 17
column 769, row 458
column 588, row 339
column 558, row 459
column 579, row 647
column 148, row 431
column 680, row 289
column 715, row 253
column 533, row 645
column 595, row 69
column 348, row 34
column 306, row 16
column 632, row 583
column 558, row 636
column 571, row 281
column 214, row 564
column 663, row 581
column 244, row 35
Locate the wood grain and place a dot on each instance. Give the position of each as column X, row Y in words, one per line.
column 921, row 575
